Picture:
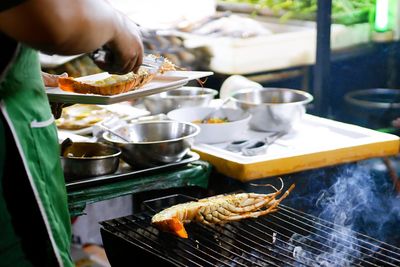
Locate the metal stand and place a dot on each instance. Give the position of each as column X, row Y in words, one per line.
column 323, row 58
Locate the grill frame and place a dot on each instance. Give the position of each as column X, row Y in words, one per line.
column 252, row 245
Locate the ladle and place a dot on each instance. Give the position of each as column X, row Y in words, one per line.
column 64, row 145
column 114, row 133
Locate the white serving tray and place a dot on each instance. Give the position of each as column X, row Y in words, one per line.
column 316, row 142
column 161, row 83
column 292, row 44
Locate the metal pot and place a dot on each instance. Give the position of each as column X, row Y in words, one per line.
column 85, row 159
column 154, row 142
column 373, row 108
column 178, row 98
column 272, row 109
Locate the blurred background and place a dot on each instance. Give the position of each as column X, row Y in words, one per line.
column 273, row 42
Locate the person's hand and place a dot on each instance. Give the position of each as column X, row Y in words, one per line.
column 125, row 50
column 51, row 80
column 396, row 123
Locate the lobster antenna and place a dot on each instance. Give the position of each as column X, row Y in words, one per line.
column 270, row 185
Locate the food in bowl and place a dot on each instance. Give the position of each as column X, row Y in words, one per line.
column 186, row 96
column 86, row 159
column 272, row 109
column 154, row 143
column 234, row 128
column 212, row 120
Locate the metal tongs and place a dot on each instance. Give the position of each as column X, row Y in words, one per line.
column 151, row 62
column 253, row 147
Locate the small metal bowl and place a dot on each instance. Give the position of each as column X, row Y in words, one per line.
column 186, row 96
column 154, row 142
column 85, row 159
column 272, row 109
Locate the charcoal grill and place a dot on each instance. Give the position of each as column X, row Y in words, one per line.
column 287, row 237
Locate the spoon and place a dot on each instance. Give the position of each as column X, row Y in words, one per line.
column 114, row 133
column 215, row 110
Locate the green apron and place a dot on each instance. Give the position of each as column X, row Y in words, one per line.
column 25, row 106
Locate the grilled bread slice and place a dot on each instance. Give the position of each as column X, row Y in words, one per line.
column 115, row 84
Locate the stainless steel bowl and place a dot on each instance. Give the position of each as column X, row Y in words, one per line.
column 186, row 96
column 154, row 142
column 84, row 159
column 272, row 109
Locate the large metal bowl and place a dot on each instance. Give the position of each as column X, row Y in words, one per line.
column 85, row 159
column 272, row 109
column 154, row 143
column 186, row 96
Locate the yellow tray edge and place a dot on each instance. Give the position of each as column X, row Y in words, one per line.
column 258, row 170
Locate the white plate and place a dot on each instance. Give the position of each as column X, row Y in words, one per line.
column 125, row 111
column 165, row 82
column 64, row 134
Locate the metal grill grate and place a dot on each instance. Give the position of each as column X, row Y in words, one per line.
column 284, row 238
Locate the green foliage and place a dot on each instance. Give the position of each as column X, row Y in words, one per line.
column 343, row 11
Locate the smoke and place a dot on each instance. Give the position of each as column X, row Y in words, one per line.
column 359, row 199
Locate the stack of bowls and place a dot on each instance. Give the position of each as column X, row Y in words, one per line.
column 179, row 98
column 154, row 143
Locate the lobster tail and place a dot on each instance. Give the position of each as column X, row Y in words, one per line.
column 173, row 225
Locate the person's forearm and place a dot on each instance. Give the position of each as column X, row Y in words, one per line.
column 62, row 27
